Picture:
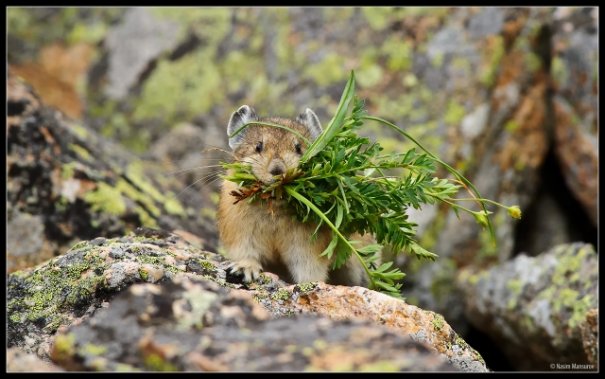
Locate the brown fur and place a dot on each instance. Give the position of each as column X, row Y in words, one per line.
column 257, row 237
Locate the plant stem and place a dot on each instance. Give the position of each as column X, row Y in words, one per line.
column 292, row 192
column 452, row 170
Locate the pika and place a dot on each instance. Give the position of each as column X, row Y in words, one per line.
column 256, row 237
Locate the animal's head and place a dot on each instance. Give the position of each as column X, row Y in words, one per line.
column 271, row 151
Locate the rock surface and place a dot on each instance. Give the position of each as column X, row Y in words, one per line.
column 19, row 361
column 196, row 325
column 82, row 293
column 66, row 183
column 574, row 70
column 541, row 310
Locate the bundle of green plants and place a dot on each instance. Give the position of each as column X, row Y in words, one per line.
column 345, row 182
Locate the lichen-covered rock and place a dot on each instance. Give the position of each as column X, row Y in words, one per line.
column 590, row 336
column 496, row 137
column 196, row 325
column 134, row 44
column 19, row 361
column 71, row 286
column 67, row 183
column 574, row 69
column 75, row 289
column 537, row 307
column 344, row 303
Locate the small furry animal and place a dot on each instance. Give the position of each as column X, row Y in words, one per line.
column 256, row 237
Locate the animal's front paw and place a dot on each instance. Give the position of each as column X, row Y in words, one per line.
column 248, row 269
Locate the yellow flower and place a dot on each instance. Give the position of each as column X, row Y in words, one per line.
column 515, row 212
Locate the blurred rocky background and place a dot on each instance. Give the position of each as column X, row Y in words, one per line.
column 116, row 119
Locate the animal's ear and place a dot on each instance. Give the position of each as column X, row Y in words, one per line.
column 309, row 119
column 239, row 118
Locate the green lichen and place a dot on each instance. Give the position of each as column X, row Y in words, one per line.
column 438, row 322
column 570, row 264
column 156, row 261
column 87, row 32
column 199, row 303
column 379, row 366
column 399, row 53
column 208, row 268
column 78, row 246
column 64, row 346
column 145, row 218
column 281, row 294
column 123, row 367
column 135, row 172
column 327, row 71
column 208, row 213
column 181, row 89
column 369, row 76
column 579, row 311
column 494, row 55
column 377, row 17
column 515, row 287
column 68, row 169
column 454, row 113
column 134, row 194
column 143, row 274
column 155, row 362
column 92, row 349
column 511, row 126
column 47, row 290
column 106, row 198
column 320, row 344
column 304, row 288
column 473, row 279
column 437, row 60
column 80, row 151
column 173, row 206
column 533, row 62
column 98, row 364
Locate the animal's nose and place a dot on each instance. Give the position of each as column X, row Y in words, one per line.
column 277, row 170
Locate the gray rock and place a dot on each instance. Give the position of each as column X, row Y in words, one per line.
column 19, row 361
column 189, row 307
column 537, row 308
column 139, row 39
column 196, row 325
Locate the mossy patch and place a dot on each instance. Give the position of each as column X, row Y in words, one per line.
column 200, row 303
column 80, row 151
column 46, row 291
column 173, row 206
column 493, row 54
column 64, row 347
column 438, row 322
column 281, row 294
column 328, row 71
column 378, row 18
column 155, row 362
column 68, row 170
column 515, row 287
column 92, row 349
column 106, row 198
column 454, row 113
column 379, row 366
column 181, row 89
column 304, row 288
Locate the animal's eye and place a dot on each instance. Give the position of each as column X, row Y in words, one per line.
column 298, row 148
column 259, row 147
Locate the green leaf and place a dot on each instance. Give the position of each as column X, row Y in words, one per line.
column 328, row 133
